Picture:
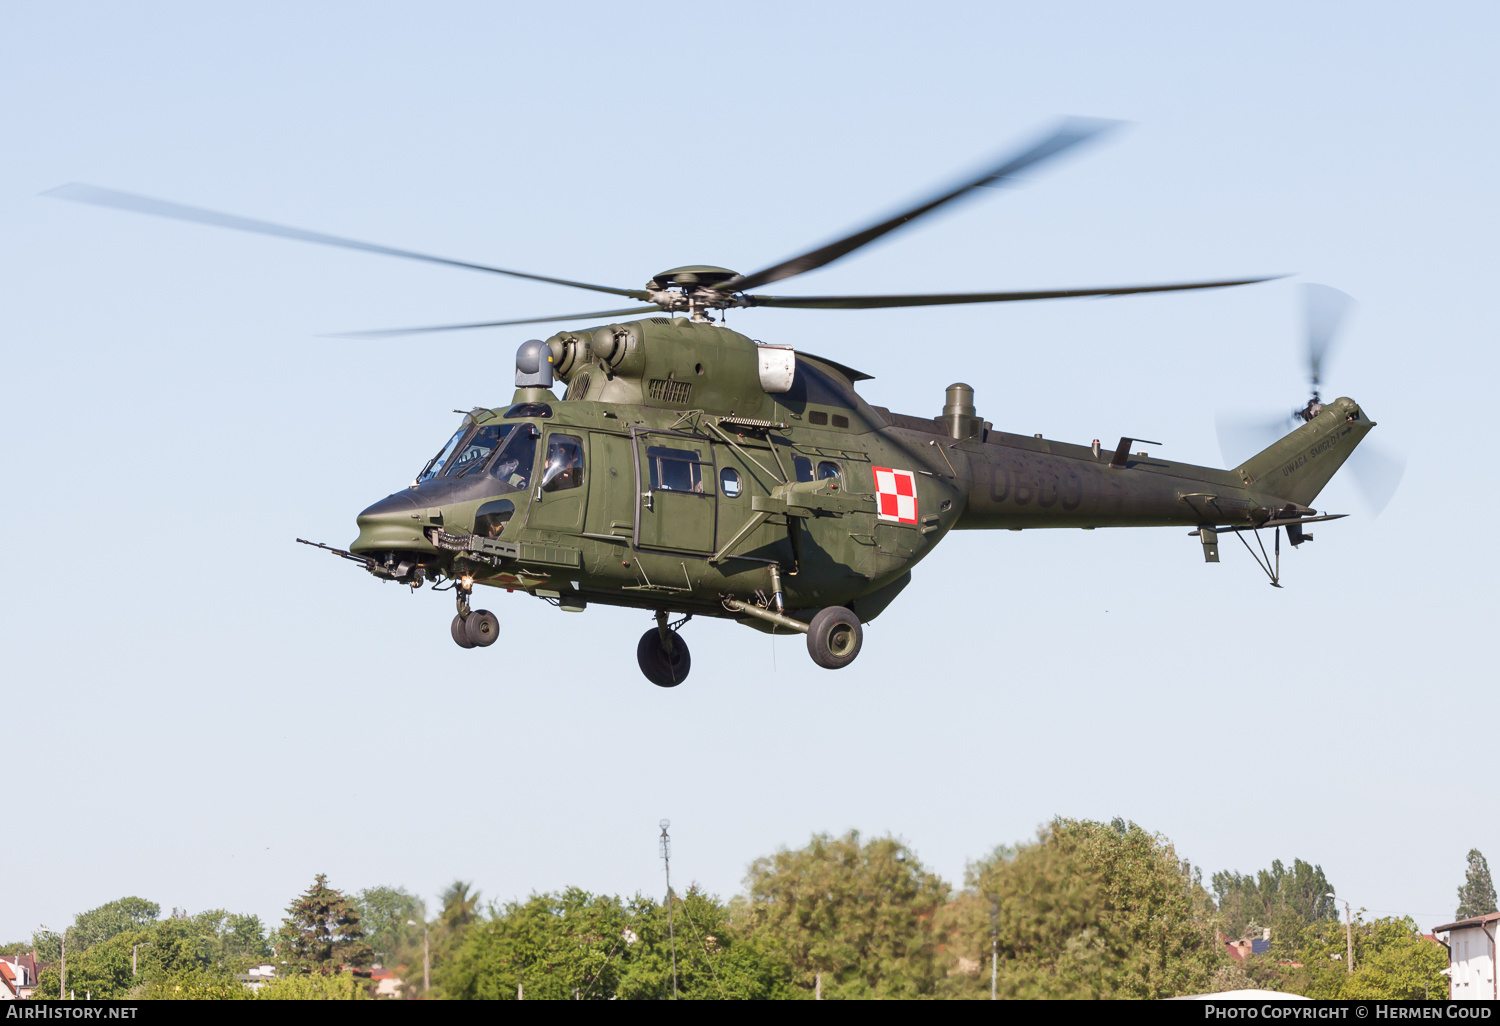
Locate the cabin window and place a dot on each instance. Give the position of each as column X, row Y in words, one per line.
column 675, row 470
column 829, row 471
column 512, row 465
column 729, row 482
column 564, row 464
column 803, row 466
column 437, row 463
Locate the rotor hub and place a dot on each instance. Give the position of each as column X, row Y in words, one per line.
column 693, row 288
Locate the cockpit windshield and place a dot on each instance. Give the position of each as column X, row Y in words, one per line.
column 475, row 450
column 435, row 465
column 507, row 450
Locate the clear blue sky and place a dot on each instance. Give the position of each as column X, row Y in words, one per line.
column 199, row 711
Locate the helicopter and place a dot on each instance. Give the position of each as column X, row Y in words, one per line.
column 690, row 470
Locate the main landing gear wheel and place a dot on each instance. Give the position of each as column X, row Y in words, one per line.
column 460, row 633
column 662, row 668
column 834, row 637
column 482, row 628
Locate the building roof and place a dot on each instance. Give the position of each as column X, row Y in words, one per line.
column 27, row 962
column 1471, row 922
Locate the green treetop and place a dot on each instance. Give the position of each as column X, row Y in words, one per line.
column 322, row 931
column 1285, row 900
column 857, row 916
column 1089, row 910
column 1477, row 896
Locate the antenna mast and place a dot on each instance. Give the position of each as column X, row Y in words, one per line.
column 666, row 858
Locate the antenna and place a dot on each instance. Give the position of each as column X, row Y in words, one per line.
column 666, row 858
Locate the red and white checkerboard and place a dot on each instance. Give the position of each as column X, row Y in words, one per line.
column 896, row 495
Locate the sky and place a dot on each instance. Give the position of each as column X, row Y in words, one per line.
column 203, row 713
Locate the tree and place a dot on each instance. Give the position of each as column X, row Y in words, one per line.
column 598, row 947
column 322, row 931
column 551, row 944
column 384, row 913
column 1089, row 910
column 102, row 923
column 183, row 955
column 1284, row 900
column 1392, row 961
column 858, row 915
column 313, row 987
column 1477, row 895
column 459, row 905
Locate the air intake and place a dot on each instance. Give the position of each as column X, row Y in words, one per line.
column 675, row 392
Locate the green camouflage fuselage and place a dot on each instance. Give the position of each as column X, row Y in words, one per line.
column 839, row 498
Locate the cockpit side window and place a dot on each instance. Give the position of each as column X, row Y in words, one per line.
column 564, row 463
column 804, row 468
column 438, row 463
column 512, row 465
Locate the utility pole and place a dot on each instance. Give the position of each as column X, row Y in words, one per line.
column 62, row 982
column 994, row 945
column 426, row 957
column 666, row 858
column 1348, row 936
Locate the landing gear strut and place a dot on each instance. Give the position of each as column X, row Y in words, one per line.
column 663, row 654
column 472, row 628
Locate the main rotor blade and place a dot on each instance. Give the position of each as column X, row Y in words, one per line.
column 101, row 197
column 1243, row 437
column 1070, row 133
column 947, row 299
column 1326, row 308
column 394, row 332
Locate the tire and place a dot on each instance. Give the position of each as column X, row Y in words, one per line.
column 482, row 628
column 460, row 635
column 661, row 669
column 834, row 638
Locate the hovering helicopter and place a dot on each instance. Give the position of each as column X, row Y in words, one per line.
column 689, row 470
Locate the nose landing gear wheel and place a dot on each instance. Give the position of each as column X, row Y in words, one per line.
column 482, row 628
column 460, row 633
column 662, row 668
column 834, row 637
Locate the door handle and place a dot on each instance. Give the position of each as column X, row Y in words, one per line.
column 646, row 500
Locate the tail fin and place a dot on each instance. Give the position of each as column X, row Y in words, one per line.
column 1298, row 466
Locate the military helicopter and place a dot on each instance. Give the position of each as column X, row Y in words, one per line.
column 689, row 470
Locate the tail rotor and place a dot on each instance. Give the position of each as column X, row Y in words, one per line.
column 1376, row 471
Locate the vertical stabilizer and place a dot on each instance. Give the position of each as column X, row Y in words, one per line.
column 1298, row 466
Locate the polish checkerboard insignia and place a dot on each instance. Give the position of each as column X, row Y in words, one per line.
column 896, row 495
